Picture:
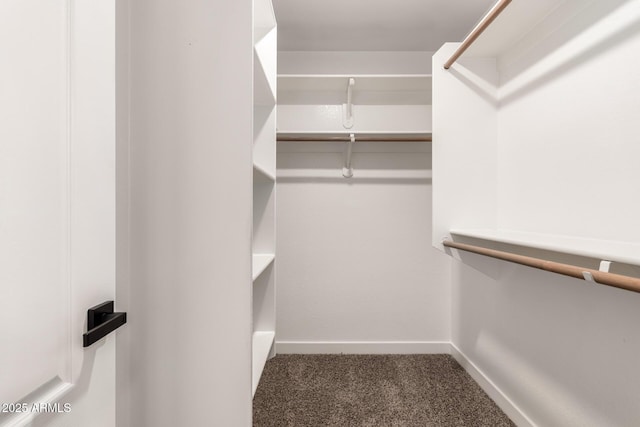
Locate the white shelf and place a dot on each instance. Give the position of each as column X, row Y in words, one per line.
column 260, row 263
column 364, row 82
column 623, row 252
column 261, row 174
column 262, row 343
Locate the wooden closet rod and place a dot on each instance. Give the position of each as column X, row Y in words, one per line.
column 601, row 277
column 345, row 138
column 479, row 29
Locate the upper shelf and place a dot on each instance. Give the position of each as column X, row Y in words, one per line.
column 363, row 82
column 623, row 252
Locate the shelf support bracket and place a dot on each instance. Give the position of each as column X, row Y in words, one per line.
column 605, row 266
column 347, row 170
column 347, row 109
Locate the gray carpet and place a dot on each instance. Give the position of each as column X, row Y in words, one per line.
column 371, row 390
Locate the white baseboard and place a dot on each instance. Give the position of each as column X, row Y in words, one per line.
column 363, row 347
column 501, row 399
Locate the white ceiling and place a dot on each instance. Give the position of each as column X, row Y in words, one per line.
column 396, row 25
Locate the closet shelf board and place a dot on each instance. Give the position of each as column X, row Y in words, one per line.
column 363, row 82
column 262, row 343
column 260, row 263
column 623, row 252
column 261, row 174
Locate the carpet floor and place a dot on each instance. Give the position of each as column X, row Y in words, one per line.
column 372, row 391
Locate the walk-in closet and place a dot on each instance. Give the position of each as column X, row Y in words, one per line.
column 481, row 150
column 287, row 213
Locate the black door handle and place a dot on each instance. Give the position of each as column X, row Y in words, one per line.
column 101, row 321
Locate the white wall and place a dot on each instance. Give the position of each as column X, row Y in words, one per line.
column 564, row 351
column 569, row 107
column 190, row 213
column 354, row 259
column 356, row 272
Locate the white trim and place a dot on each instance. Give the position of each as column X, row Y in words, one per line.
column 363, row 347
column 497, row 395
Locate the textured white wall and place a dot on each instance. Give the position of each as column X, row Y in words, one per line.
column 563, row 350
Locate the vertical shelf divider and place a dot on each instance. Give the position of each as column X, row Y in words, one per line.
column 264, row 187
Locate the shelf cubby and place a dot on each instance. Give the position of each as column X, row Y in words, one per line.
column 264, row 123
column 382, row 103
column 260, row 264
column 264, row 80
column 262, row 344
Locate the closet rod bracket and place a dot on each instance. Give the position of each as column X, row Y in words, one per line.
column 347, row 109
column 347, row 170
column 605, row 266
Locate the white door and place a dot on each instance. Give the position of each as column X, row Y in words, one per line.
column 57, row 210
